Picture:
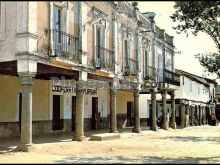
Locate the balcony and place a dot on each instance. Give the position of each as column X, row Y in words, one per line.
column 63, row 45
column 104, row 58
column 131, row 68
column 150, row 73
column 169, row 39
column 217, row 89
column 171, row 77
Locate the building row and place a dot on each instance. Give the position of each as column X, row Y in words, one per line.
column 72, row 66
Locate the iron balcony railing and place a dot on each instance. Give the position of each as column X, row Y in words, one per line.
column 150, row 73
column 171, row 77
column 64, row 45
column 104, row 58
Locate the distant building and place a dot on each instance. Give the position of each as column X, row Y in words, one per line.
column 195, row 97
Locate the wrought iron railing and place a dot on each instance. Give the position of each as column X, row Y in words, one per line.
column 64, row 45
column 103, row 58
column 171, row 77
column 150, row 73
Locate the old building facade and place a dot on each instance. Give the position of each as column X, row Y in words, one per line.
column 76, row 66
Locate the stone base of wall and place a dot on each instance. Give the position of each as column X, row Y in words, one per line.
column 8, row 129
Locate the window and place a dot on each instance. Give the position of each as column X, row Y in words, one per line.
column 190, row 87
column 198, row 90
column 183, row 79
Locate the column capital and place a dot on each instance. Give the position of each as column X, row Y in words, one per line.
column 136, row 92
column 26, row 79
column 164, row 92
column 112, row 91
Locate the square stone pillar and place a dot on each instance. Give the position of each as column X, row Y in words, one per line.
column 173, row 117
column 79, row 121
column 153, row 125
column 113, row 111
column 137, row 128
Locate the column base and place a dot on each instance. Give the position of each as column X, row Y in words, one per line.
column 25, row 147
column 136, row 130
column 165, row 126
column 113, row 131
column 79, row 138
column 154, row 128
column 173, row 125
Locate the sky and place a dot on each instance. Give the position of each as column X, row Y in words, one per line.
column 188, row 46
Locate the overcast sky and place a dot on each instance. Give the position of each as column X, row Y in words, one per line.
column 187, row 45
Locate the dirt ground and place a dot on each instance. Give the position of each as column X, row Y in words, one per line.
column 198, row 144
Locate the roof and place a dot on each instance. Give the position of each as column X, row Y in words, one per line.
column 196, row 78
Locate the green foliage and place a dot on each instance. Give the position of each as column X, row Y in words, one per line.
column 203, row 16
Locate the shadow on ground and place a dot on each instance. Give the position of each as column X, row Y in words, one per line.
column 139, row 160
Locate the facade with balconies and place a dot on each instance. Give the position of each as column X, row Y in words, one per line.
column 75, row 66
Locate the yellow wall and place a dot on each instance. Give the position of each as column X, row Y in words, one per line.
column 9, row 89
column 41, row 100
column 9, row 107
column 122, row 98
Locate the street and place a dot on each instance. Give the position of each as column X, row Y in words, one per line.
column 198, row 144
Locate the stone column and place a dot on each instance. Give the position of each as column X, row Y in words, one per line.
column 137, row 128
column 182, row 115
column 113, row 112
column 200, row 115
column 192, row 115
column 26, row 117
column 79, row 131
column 187, row 116
column 153, row 125
column 173, row 117
column 203, row 116
column 196, row 115
column 164, row 110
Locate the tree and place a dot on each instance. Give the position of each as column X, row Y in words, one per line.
column 200, row 16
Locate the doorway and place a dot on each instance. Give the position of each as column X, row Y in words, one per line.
column 130, row 113
column 20, row 110
column 73, row 112
column 57, row 123
column 96, row 117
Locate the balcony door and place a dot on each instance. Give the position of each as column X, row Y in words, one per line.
column 160, row 64
column 57, row 24
column 99, row 44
